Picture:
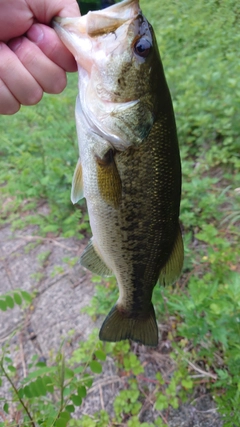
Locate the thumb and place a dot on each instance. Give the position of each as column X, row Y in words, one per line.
column 44, row 11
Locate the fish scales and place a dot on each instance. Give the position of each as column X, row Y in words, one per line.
column 129, row 168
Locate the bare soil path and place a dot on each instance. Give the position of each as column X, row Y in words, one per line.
column 42, row 265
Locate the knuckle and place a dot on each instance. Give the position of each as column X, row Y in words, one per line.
column 34, row 97
column 28, row 56
column 59, row 83
column 8, row 103
column 9, row 109
column 8, row 61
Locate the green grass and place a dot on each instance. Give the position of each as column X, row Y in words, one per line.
column 38, row 156
column 199, row 44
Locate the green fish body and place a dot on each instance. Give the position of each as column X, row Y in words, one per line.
column 129, row 168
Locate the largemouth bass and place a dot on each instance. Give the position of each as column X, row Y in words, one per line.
column 129, row 167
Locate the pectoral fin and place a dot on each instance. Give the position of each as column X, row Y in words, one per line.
column 173, row 267
column 109, row 181
column 91, row 260
column 77, row 184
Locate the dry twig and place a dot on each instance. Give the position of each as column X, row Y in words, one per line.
column 203, row 373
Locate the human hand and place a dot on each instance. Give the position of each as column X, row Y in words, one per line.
column 33, row 60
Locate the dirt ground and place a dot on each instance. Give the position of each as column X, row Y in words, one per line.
column 61, row 292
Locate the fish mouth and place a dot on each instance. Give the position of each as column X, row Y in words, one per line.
column 82, row 35
column 101, row 21
column 94, row 39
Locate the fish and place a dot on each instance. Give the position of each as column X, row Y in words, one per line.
column 129, row 167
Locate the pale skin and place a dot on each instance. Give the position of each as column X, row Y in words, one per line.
column 33, row 60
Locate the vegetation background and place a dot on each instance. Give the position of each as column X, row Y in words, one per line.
column 199, row 44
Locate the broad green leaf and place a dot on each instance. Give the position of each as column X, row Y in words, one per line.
column 41, row 387
column 47, row 380
column 26, row 296
column 65, row 415
column 61, row 422
column 41, row 371
column 28, row 391
column 9, row 301
column 95, row 367
column 159, row 378
column 34, row 390
column 67, row 391
column 81, row 391
column 69, row 373
column 188, row 384
column 17, row 298
column 70, row 408
column 87, row 380
column 21, row 392
column 77, row 400
column 78, row 370
column 50, row 420
column 12, row 368
column 50, row 388
column 161, row 402
column 3, row 305
column 174, row 403
column 100, row 355
column 6, row 407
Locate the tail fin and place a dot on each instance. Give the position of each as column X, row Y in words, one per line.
column 118, row 327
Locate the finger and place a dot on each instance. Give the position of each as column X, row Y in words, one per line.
column 23, row 14
column 8, row 103
column 45, row 11
column 47, row 74
column 16, row 19
column 67, row 9
column 50, row 44
column 17, row 79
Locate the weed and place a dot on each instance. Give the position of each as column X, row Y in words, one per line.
column 199, row 44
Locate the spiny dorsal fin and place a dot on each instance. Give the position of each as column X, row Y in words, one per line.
column 91, row 260
column 173, row 267
column 118, row 327
column 77, row 184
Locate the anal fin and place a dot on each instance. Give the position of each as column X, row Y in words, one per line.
column 118, row 327
column 91, row 260
column 173, row 267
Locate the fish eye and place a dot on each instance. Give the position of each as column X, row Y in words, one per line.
column 142, row 47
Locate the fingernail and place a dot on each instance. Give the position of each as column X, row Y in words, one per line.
column 35, row 34
column 15, row 43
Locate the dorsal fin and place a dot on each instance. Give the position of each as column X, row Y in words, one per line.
column 173, row 267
